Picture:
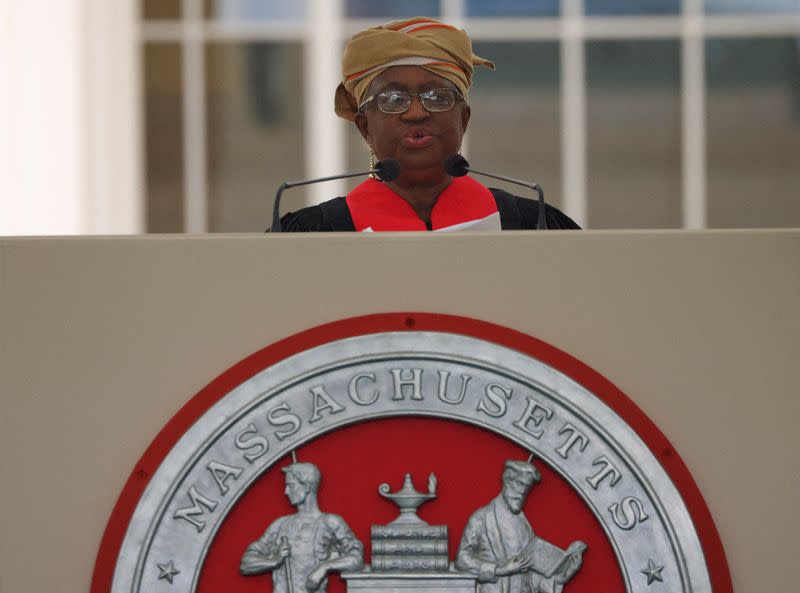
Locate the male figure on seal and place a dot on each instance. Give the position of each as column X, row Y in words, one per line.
column 499, row 547
column 301, row 549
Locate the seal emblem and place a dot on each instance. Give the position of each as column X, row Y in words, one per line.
column 542, row 477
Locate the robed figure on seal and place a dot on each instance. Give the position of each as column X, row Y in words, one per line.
column 500, row 548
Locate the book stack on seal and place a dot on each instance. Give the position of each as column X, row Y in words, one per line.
column 409, row 548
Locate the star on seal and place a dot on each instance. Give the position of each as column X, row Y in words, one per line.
column 653, row 572
column 167, row 571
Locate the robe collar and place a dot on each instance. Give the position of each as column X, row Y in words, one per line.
column 464, row 205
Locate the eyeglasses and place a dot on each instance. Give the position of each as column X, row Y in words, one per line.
column 395, row 102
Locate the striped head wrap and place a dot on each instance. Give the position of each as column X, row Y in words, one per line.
column 420, row 41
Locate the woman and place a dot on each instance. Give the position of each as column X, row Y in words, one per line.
column 405, row 86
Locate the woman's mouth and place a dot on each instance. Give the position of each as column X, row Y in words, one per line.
column 417, row 138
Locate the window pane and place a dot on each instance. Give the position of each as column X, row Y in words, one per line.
column 753, row 132
column 615, row 7
column 255, row 10
column 753, row 6
column 161, row 9
column 392, row 8
column 163, row 105
column 512, row 8
column 515, row 127
column 255, row 132
column 633, row 121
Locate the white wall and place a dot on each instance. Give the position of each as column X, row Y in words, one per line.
column 69, row 117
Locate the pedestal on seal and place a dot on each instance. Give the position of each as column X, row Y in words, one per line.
column 398, row 582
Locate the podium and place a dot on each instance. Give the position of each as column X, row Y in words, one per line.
column 104, row 339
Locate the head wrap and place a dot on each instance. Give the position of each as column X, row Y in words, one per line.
column 442, row 49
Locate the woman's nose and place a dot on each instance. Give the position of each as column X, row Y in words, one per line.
column 416, row 110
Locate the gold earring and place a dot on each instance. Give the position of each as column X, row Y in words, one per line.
column 372, row 162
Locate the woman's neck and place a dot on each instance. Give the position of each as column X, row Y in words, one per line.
column 421, row 198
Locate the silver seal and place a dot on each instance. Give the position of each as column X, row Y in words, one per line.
column 400, row 374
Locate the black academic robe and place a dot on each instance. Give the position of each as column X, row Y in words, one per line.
column 515, row 214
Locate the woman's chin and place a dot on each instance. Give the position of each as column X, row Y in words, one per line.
column 433, row 177
column 422, row 170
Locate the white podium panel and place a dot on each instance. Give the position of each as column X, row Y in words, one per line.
column 103, row 340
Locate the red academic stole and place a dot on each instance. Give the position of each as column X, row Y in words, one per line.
column 464, row 205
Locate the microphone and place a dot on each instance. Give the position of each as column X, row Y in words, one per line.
column 385, row 170
column 457, row 166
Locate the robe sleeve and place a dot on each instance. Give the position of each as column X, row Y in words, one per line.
column 517, row 213
column 474, row 553
column 330, row 216
column 307, row 220
column 340, row 539
column 262, row 555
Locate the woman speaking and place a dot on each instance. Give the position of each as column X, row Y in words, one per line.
column 405, row 86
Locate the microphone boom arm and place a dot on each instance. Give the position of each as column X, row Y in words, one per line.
column 541, row 222
column 276, row 214
column 386, row 170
